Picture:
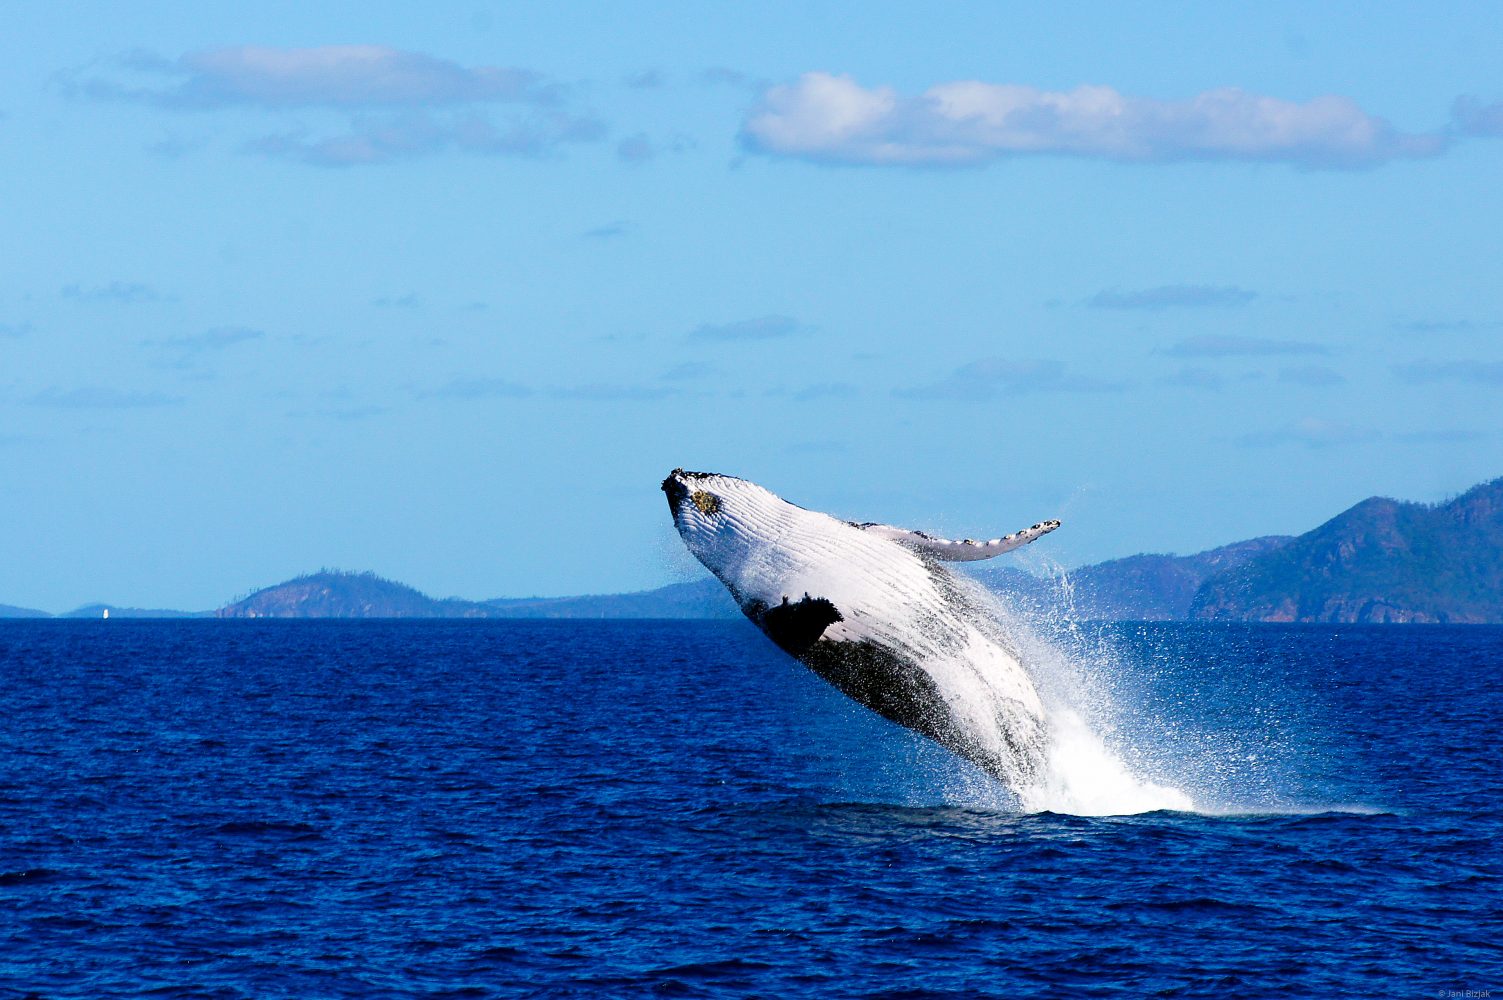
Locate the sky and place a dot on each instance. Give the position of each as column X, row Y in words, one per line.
column 443, row 292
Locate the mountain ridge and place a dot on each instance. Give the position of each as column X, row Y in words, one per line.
column 1380, row 560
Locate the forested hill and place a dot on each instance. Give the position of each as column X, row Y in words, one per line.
column 330, row 594
column 1381, row 561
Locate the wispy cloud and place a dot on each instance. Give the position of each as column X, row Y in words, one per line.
column 994, row 378
column 385, row 139
column 1445, row 326
column 1472, row 372
column 1196, row 378
column 174, row 147
column 1172, row 297
column 689, row 371
column 636, row 148
column 609, row 231
column 721, row 76
column 1311, row 375
column 476, row 388
column 336, row 76
column 639, row 148
column 1312, row 432
column 613, row 393
column 1217, row 346
column 95, row 397
column 400, row 104
column 116, row 291
column 833, row 119
column 760, row 328
column 495, row 388
column 214, row 339
column 348, row 413
column 409, row 300
column 650, row 79
column 1472, row 117
column 825, row 390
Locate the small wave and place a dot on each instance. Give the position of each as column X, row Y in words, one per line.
column 1198, row 904
column 710, row 970
column 29, row 876
column 268, row 828
column 1294, row 811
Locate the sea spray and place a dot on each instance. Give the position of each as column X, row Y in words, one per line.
column 1087, row 770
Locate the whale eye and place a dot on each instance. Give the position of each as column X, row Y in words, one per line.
column 708, row 503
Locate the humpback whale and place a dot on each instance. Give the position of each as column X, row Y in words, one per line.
column 872, row 610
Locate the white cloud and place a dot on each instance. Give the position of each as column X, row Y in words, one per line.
column 340, row 76
column 833, row 119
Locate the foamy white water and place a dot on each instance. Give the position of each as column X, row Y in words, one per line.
column 1085, row 778
column 1083, row 774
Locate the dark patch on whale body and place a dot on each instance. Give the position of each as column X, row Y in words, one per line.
column 898, row 690
column 889, row 684
column 794, row 626
column 884, row 682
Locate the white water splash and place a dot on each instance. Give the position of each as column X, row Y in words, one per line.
column 1084, row 777
column 1084, row 774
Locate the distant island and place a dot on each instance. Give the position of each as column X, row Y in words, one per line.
column 332, row 594
column 1380, row 561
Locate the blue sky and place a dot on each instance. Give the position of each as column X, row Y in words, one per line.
column 445, row 293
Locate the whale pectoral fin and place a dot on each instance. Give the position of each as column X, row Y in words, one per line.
column 965, row 550
column 798, row 625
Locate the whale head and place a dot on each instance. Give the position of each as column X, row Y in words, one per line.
column 726, row 522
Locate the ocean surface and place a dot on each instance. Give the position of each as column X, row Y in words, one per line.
column 598, row 809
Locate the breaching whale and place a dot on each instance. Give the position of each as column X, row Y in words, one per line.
column 871, row 610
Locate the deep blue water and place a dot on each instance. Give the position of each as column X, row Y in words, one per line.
column 475, row 809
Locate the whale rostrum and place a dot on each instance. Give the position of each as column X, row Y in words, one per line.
column 871, row 610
